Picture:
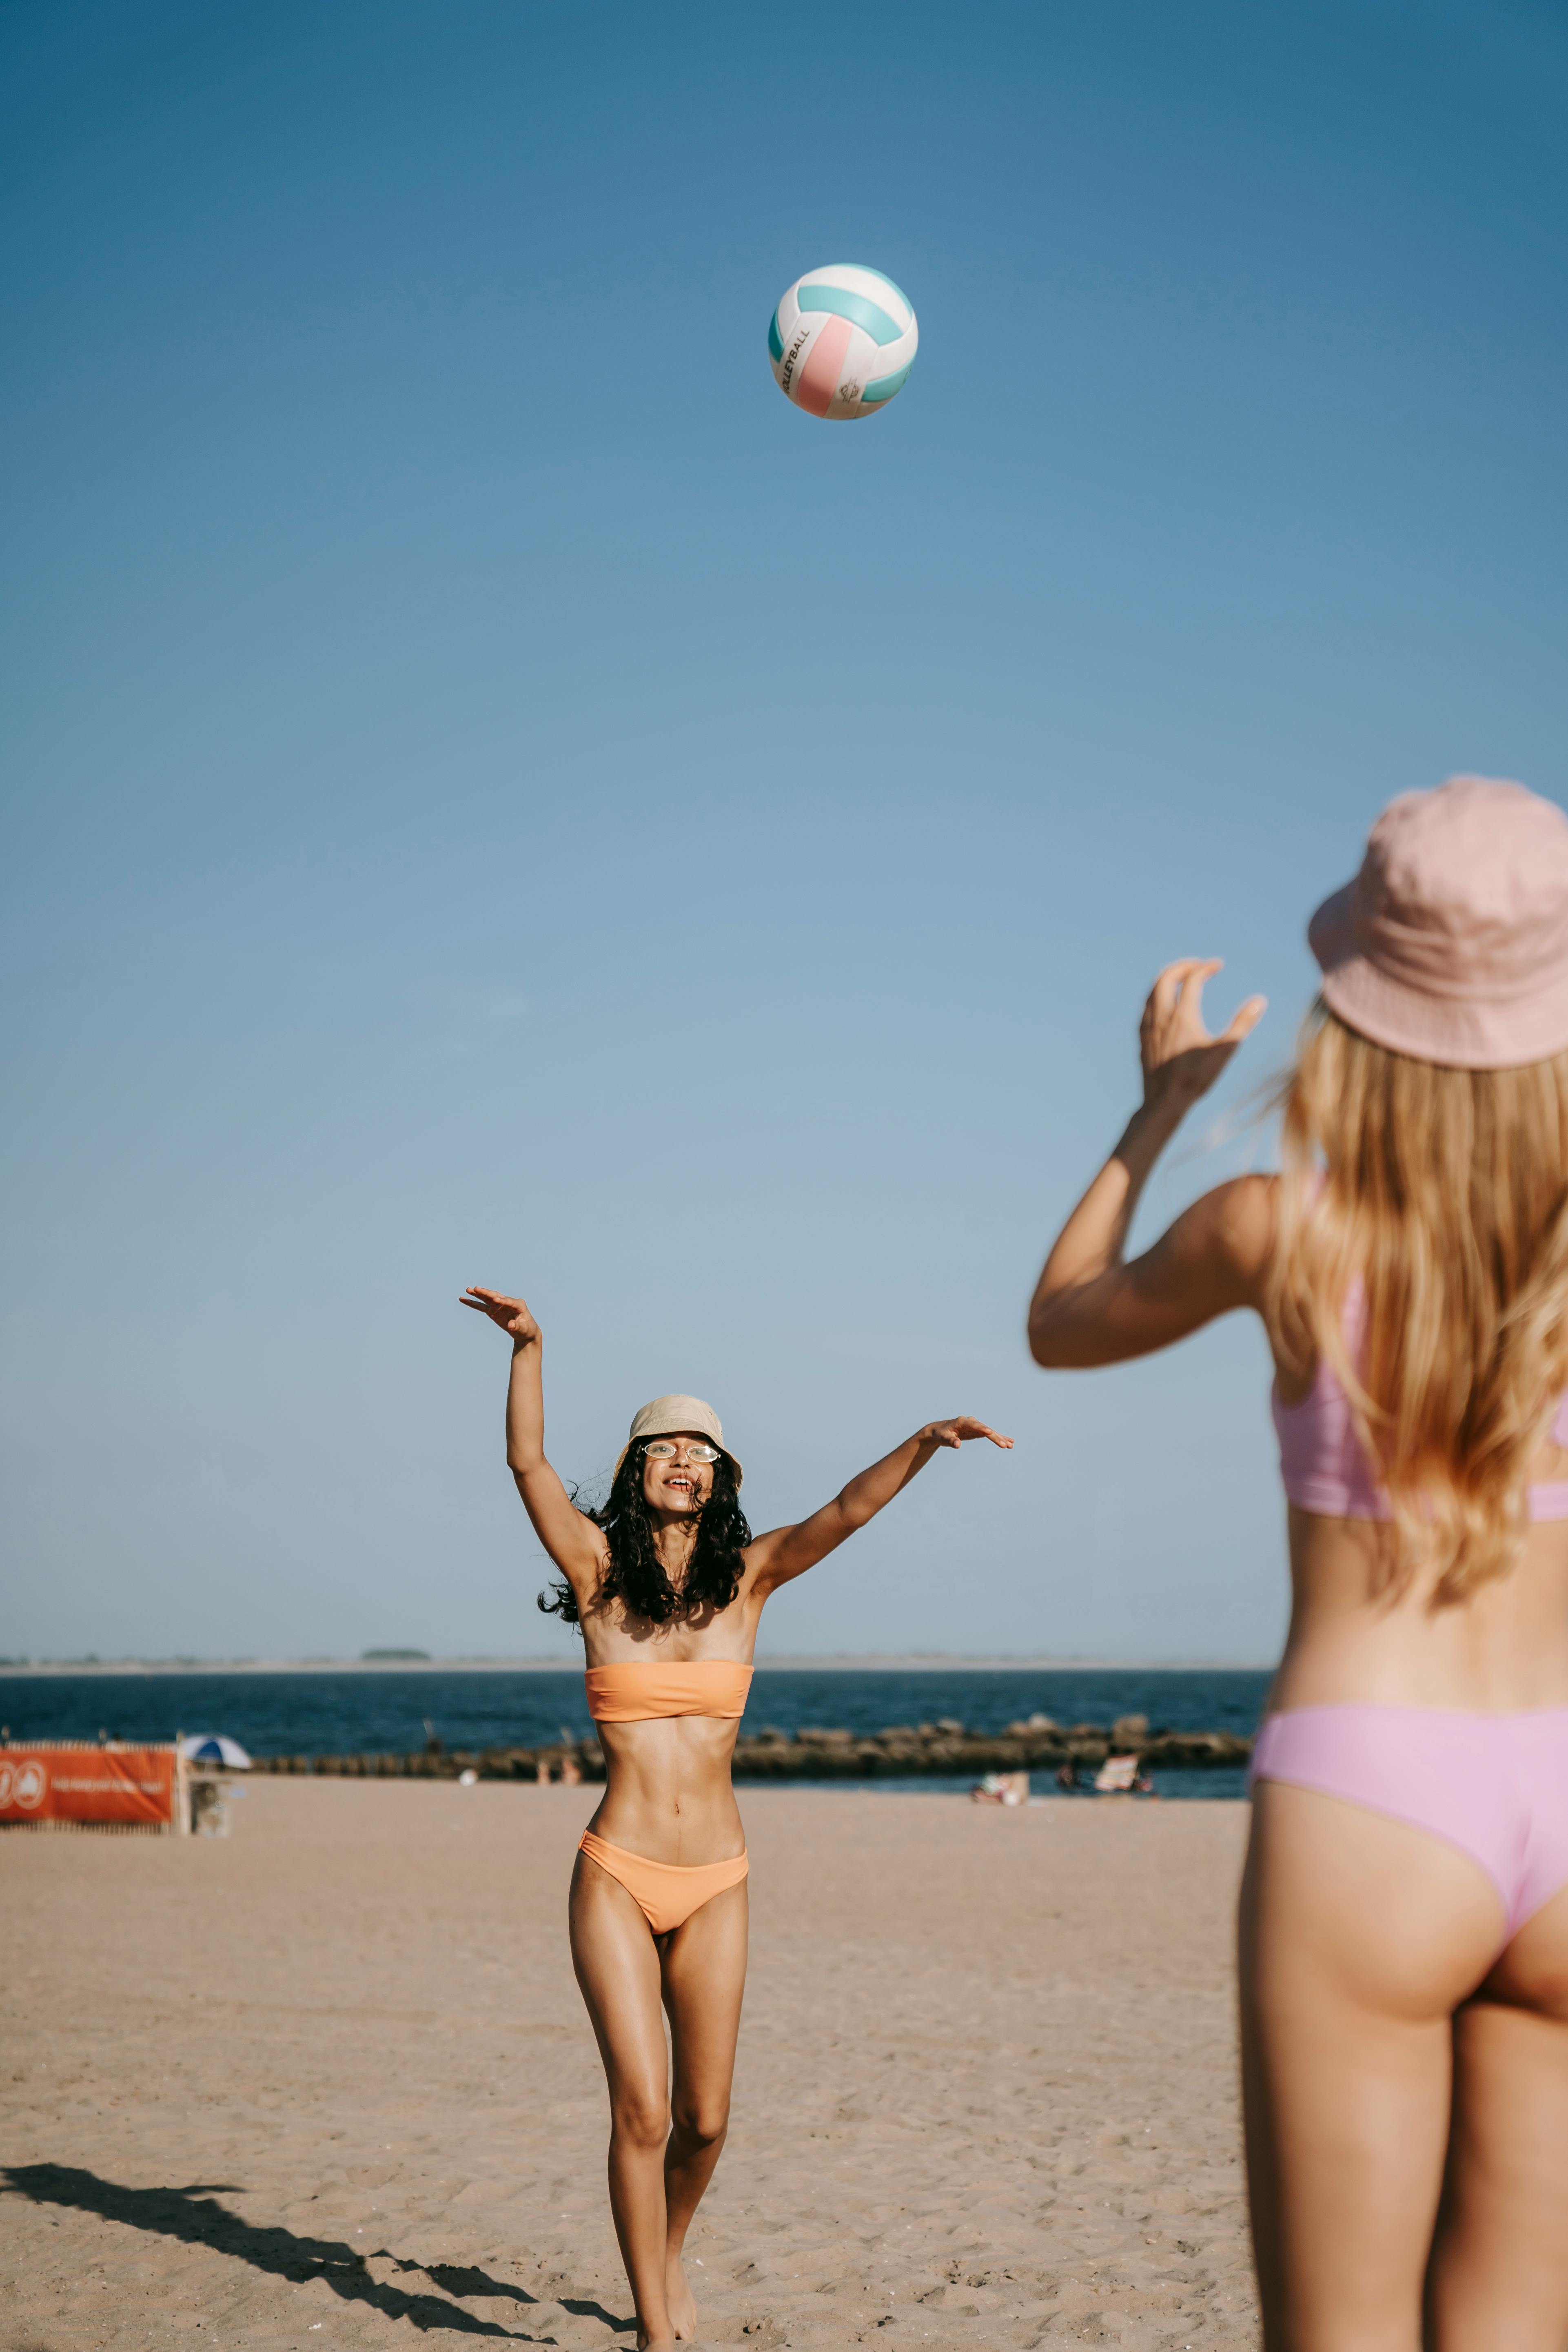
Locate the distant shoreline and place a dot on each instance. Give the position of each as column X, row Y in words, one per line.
column 919, row 1662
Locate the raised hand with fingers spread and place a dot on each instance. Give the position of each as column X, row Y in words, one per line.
column 961, row 1429
column 511, row 1314
column 1181, row 1060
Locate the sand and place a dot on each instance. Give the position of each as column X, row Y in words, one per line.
column 331, row 2077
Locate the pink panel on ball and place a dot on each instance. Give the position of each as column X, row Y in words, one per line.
column 818, row 379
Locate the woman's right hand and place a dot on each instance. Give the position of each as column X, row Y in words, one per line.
column 1181, row 1060
column 511, row 1314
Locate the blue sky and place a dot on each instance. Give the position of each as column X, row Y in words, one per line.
column 494, row 794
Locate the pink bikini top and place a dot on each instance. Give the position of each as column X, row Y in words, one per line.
column 1320, row 1458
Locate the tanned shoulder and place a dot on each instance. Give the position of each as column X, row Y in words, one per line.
column 1243, row 1214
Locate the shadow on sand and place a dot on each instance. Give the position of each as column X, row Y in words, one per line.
column 193, row 2215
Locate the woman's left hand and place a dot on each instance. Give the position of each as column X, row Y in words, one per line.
column 1181, row 1060
column 961, row 1427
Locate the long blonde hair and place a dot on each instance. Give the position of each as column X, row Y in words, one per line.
column 1444, row 1192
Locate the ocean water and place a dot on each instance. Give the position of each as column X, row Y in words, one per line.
column 325, row 1713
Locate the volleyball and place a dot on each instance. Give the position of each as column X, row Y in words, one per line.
column 842, row 342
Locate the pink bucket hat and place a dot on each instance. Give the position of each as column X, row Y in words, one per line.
column 1451, row 944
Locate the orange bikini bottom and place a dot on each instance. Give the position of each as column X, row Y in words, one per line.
column 667, row 1893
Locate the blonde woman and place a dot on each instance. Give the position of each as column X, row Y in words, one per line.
column 1404, row 1909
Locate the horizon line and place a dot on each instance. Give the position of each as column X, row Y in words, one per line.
column 832, row 1661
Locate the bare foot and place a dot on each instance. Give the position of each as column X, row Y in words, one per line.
column 647, row 2343
column 681, row 2303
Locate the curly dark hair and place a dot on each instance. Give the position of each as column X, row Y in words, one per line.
column 635, row 1576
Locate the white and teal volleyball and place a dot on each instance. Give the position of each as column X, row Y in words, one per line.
column 843, row 341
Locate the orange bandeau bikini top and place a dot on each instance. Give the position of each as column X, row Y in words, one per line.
column 637, row 1693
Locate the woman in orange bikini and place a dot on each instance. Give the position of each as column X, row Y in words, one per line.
column 667, row 1584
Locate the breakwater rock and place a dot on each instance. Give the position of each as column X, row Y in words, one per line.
column 944, row 1747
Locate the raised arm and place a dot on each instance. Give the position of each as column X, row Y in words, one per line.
column 1090, row 1306
column 787, row 1552
column 573, row 1543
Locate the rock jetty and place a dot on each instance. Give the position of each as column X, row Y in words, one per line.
column 945, row 1747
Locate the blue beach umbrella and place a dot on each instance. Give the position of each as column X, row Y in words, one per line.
column 213, row 1748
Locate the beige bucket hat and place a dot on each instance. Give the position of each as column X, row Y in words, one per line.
column 668, row 1414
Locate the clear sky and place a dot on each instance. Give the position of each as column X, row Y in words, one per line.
column 493, row 793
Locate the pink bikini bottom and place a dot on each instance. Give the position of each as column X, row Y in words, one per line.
column 1495, row 1786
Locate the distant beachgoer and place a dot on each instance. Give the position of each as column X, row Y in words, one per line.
column 668, row 1584
column 1405, row 1909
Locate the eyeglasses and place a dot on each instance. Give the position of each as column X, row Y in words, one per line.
column 662, row 1450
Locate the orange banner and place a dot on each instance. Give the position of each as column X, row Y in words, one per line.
column 120, row 1787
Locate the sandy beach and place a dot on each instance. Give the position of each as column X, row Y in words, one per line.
column 332, row 2076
